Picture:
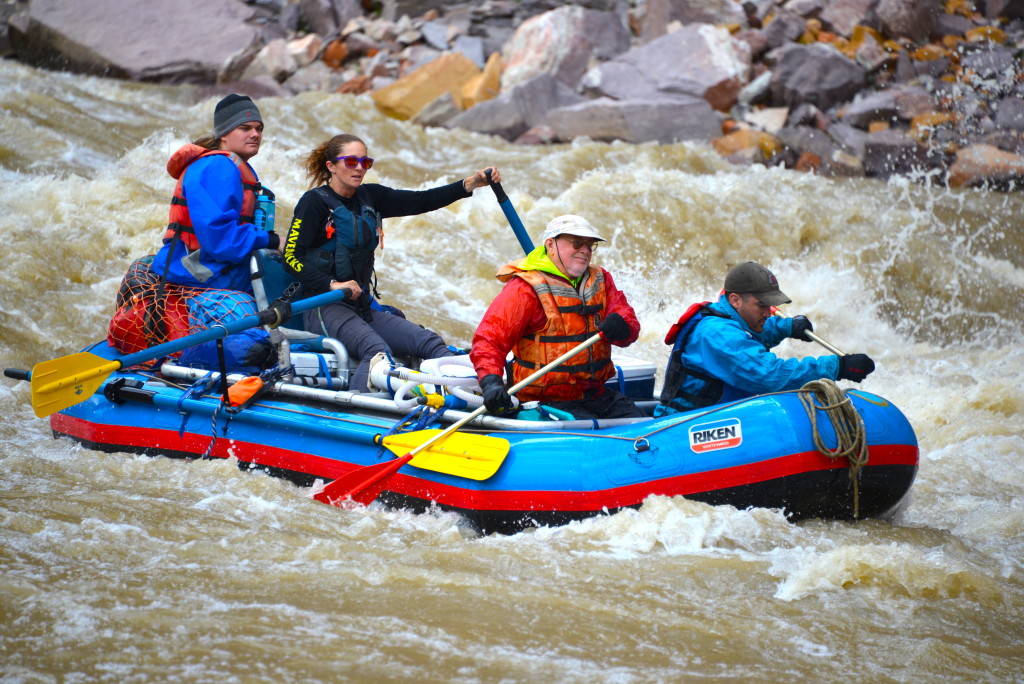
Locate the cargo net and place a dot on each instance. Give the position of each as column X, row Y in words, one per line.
column 148, row 315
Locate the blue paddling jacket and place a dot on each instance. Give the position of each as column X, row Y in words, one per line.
column 717, row 358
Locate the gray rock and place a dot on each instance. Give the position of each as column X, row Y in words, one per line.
column 842, row 15
column 805, row 139
column 440, row 112
column 951, row 25
column 890, row 152
column 561, row 42
column 1010, row 114
column 876, row 106
column 697, row 60
column 913, row 101
column 660, row 13
column 805, row 8
column 912, row 19
column 784, row 28
column 850, row 139
column 662, row 121
column 1011, row 9
column 757, row 91
column 472, row 47
column 996, row 62
column 128, row 38
column 818, row 74
column 514, row 111
column 436, row 34
column 328, row 17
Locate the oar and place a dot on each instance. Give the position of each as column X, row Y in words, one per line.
column 363, row 485
column 510, row 213
column 69, row 380
column 832, row 348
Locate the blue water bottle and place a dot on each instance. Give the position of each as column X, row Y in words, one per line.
column 265, row 210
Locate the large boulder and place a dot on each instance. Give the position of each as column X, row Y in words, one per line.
column 698, row 60
column 818, row 74
column 404, row 98
column 129, row 38
column 637, row 121
column 518, row 109
column 562, row 42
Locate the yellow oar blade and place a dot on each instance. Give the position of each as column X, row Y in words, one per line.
column 67, row 381
column 475, row 457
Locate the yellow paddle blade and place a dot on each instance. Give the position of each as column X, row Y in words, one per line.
column 475, row 457
column 67, row 381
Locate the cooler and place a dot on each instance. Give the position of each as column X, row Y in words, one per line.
column 633, row 377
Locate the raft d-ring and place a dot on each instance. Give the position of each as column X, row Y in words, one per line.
column 641, row 445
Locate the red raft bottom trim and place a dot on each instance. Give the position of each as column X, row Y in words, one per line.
column 157, row 440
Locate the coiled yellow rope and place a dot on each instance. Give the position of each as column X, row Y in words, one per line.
column 851, row 435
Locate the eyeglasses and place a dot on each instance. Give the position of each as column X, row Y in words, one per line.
column 580, row 243
column 352, row 161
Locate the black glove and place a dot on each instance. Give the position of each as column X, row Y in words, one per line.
column 274, row 241
column 496, row 397
column 614, row 328
column 801, row 326
column 855, row 367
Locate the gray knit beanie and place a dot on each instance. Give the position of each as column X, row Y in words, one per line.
column 232, row 112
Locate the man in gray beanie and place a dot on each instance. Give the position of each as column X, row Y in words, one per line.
column 722, row 351
column 232, row 112
column 214, row 224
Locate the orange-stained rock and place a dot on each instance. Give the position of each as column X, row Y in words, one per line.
column 980, row 164
column 335, row 53
column 927, row 53
column 485, row 86
column 408, row 95
column 922, row 125
column 983, row 34
column 808, row 161
column 859, row 33
column 747, row 139
column 964, row 8
column 876, row 126
column 356, row 86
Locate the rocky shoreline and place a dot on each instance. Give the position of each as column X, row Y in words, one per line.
column 932, row 89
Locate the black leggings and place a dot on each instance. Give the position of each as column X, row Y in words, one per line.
column 364, row 339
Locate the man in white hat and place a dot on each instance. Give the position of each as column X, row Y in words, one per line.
column 552, row 301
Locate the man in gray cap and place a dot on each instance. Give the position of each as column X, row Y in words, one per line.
column 721, row 351
column 551, row 302
column 212, row 227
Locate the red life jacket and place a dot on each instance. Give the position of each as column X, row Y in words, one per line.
column 690, row 312
column 572, row 317
column 178, row 221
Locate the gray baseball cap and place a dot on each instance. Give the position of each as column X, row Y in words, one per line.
column 755, row 279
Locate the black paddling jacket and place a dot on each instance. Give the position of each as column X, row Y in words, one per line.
column 334, row 237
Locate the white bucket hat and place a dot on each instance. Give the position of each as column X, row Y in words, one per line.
column 570, row 224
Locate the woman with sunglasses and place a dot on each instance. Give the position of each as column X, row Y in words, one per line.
column 331, row 243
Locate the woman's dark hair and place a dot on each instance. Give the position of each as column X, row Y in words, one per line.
column 316, row 163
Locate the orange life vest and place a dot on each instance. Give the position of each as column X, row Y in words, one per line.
column 179, row 220
column 573, row 316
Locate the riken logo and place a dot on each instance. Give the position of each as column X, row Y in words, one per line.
column 724, row 434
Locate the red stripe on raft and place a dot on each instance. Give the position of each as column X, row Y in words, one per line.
column 157, row 440
column 471, row 499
